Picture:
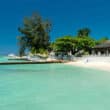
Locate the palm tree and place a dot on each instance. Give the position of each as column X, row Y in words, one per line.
column 83, row 32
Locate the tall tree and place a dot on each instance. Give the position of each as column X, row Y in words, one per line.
column 35, row 33
column 84, row 32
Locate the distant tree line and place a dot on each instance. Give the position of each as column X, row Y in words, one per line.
column 36, row 38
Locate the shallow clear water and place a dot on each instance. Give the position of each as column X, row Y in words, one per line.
column 5, row 59
column 53, row 87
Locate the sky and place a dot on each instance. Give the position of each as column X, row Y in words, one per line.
column 66, row 16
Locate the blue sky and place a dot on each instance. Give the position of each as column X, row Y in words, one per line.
column 67, row 16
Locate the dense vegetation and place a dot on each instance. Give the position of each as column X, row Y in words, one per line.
column 35, row 37
column 80, row 44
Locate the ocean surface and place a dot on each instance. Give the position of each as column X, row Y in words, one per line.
column 53, row 87
column 6, row 59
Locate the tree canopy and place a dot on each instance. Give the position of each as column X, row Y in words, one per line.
column 84, row 44
column 34, row 34
column 73, row 44
column 64, row 44
column 35, row 37
column 84, row 32
column 102, row 40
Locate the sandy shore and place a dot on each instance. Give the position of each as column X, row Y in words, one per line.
column 95, row 65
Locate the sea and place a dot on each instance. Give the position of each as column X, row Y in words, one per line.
column 53, row 87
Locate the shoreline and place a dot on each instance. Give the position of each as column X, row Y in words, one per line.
column 104, row 66
column 31, row 62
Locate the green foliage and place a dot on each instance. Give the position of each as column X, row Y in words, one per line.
column 51, row 46
column 84, row 43
column 35, row 37
column 64, row 44
column 43, row 51
column 40, row 51
column 102, row 40
column 84, row 32
column 35, row 33
column 22, row 44
column 74, row 44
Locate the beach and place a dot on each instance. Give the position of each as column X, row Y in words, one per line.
column 105, row 66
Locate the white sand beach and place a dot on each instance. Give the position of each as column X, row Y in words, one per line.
column 95, row 65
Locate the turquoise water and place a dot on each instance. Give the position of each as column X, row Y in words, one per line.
column 5, row 59
column 53, row 87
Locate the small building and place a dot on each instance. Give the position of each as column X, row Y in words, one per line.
column 102, row 49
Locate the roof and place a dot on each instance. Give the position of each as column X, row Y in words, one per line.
column 104, row 45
